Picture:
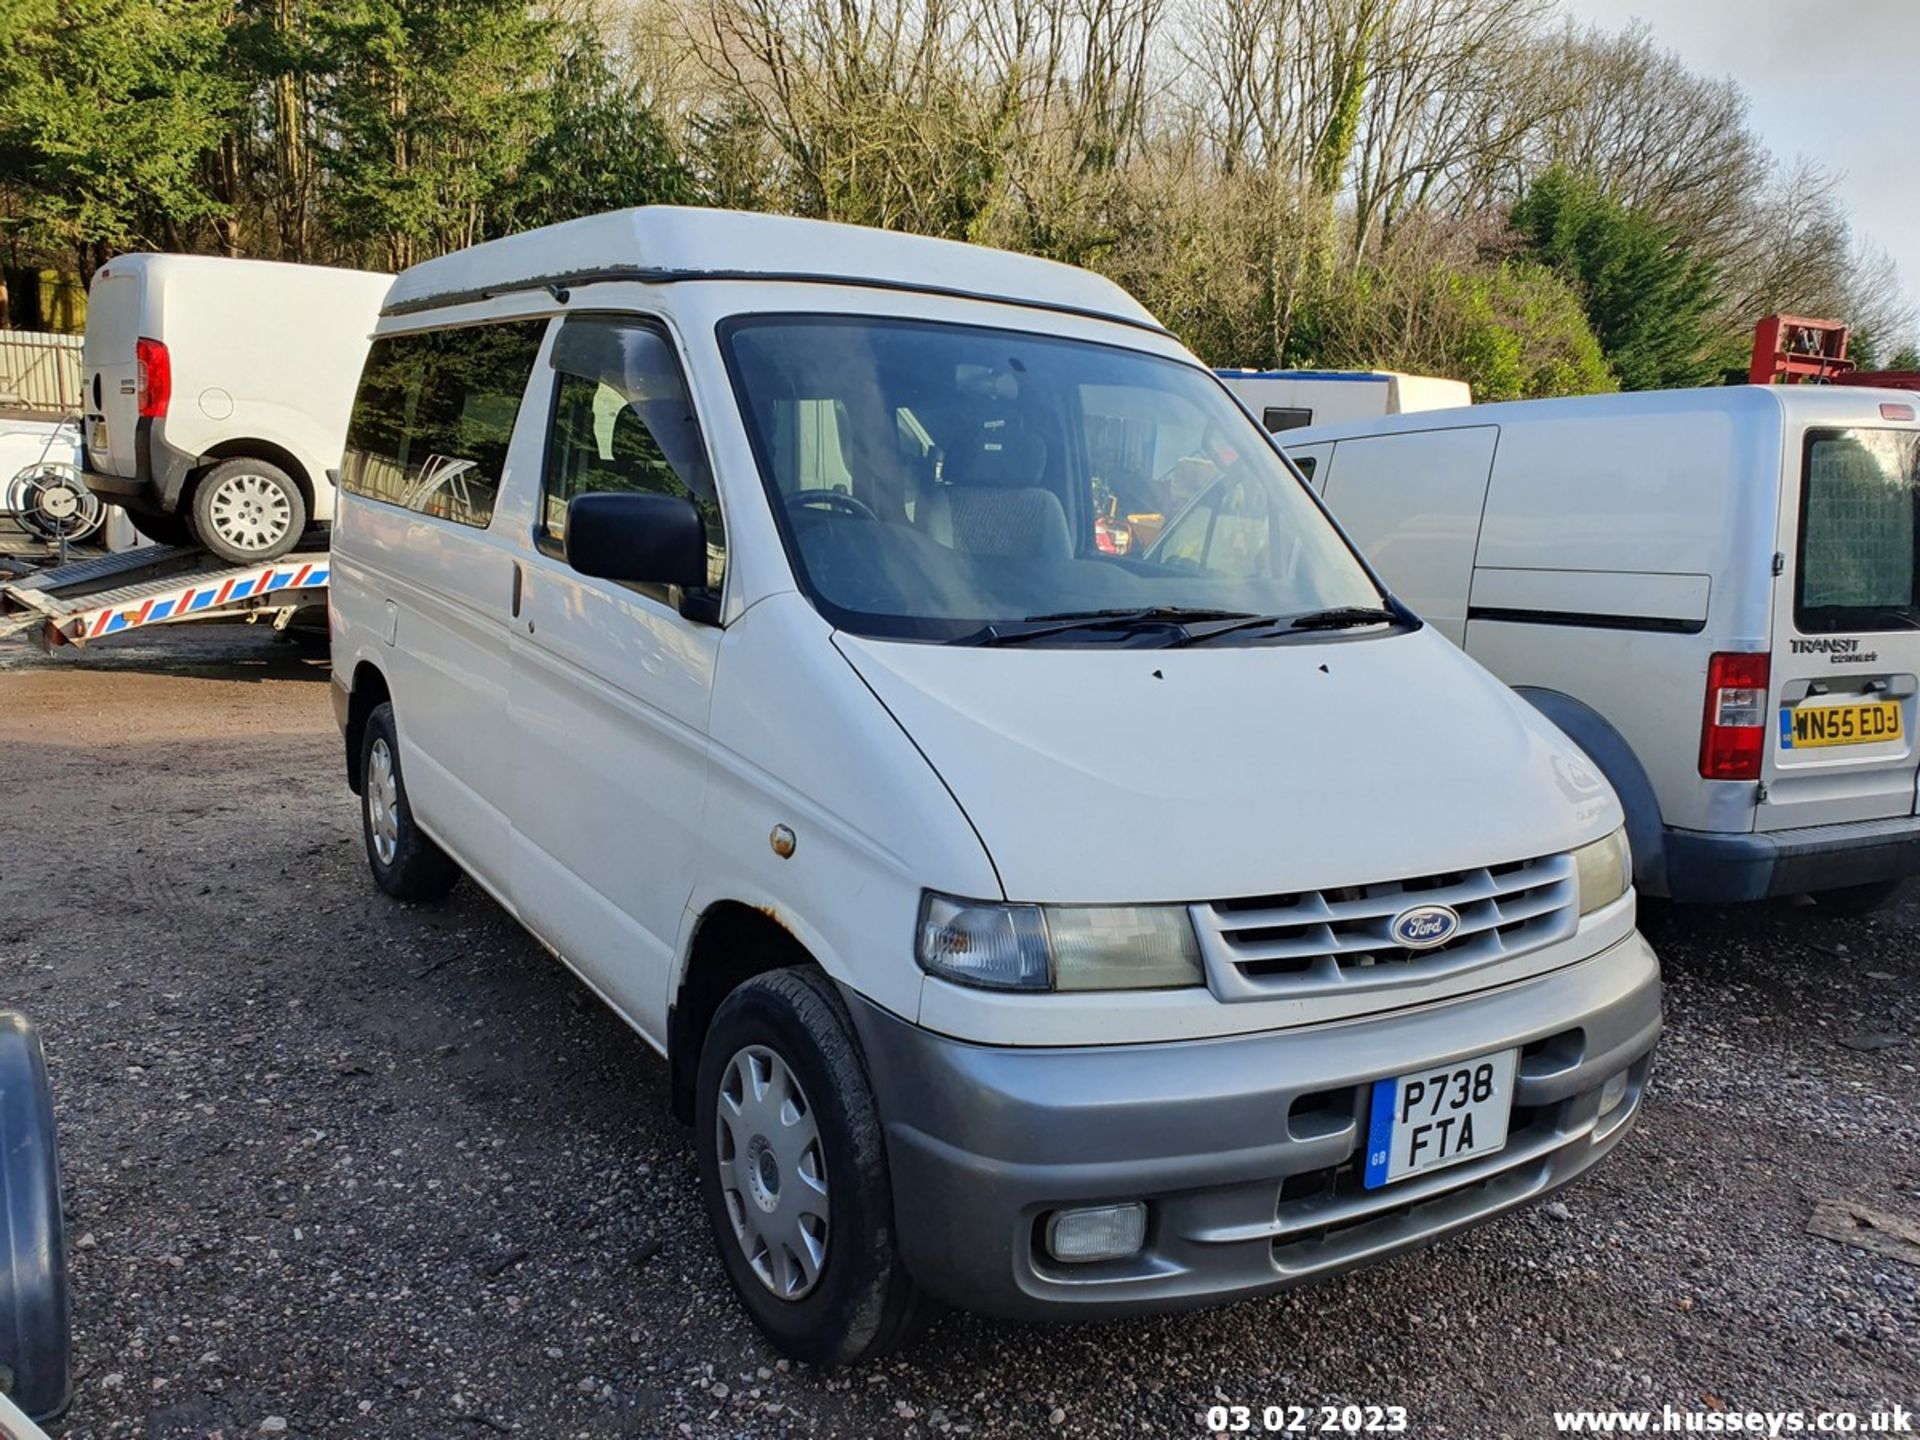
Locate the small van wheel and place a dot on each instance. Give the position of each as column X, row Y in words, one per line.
column 793, row 1173
column 248, row 512
column 1856, row 901
column 405, row 863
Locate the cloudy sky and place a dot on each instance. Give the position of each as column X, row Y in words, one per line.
column 1835, row 80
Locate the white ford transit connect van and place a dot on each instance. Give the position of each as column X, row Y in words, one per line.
column 216, row 395
column 1713, row 591
column 1044, row 931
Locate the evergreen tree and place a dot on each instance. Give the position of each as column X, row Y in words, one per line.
column 1652, row 300
column 603, row 149
column 432, row 107
column 108, row 112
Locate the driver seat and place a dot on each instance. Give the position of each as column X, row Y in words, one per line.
column 993, row 501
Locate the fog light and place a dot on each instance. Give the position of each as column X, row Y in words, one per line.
column 1099, row 1232
column 1613, row 1092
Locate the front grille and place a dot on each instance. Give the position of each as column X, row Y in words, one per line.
column 1321, row 942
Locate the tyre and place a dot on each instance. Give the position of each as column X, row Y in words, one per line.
column 405, row 863
column 163, row 529
column 793, row 1174
column 35, row 1332
column 248, row 512
column 1854, row 901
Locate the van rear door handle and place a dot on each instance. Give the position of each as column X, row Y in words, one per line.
column 518, row 581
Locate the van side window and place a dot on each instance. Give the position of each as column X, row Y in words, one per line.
column 1148, row 459
column 433, row 417
column 1227, row 531
column 622, row 420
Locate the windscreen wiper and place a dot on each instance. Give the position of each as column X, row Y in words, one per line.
column 1341, row 617
column 1152, row 617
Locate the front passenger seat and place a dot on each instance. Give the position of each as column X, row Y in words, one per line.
column 992, row 501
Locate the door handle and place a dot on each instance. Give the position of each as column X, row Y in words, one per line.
column 518, row 582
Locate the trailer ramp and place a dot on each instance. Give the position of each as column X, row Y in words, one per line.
column 88, row 600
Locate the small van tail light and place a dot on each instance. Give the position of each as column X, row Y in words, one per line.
column 1895, row 411
column 155, row 378
column 1733, row 734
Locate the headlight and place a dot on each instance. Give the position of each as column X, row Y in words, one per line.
column 1603, row 870
column 1057, row 947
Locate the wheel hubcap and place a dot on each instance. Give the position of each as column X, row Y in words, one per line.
column 383, row 803
column 250, row 512
column 773, row 1171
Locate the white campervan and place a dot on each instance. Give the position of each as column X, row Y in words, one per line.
column 1289, row 399
column 1712, row 591
column 1047, row 931
column 216, row 394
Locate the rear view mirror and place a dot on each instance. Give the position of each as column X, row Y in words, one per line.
column 640, row 539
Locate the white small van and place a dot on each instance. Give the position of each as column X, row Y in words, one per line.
column 1036, row 929
column 216, row 395
column 1712, row 591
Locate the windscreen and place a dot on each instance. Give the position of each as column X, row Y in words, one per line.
column 933, row 479
column 1859, row 542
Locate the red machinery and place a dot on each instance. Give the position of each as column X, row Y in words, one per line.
column 1792, row 350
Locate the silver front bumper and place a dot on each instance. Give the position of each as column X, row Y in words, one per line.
column 1248, row 1149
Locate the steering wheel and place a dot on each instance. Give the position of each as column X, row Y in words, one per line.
column 830, row 500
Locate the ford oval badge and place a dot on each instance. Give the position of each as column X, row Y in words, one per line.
column 1424, row 926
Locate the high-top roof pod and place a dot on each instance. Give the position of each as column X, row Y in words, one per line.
column 658, row 244
column 901, row 681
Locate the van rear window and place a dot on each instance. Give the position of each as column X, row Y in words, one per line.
column 433, row 417
column 1859, row 543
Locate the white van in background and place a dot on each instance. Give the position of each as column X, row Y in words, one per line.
column 1713, row 591
column 1288, row 399
column 1050, row 931
column 216, row 395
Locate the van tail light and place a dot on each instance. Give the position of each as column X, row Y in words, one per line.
column 155, row 382
column 1733, row 733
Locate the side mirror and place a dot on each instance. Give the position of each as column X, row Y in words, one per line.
column 637, row 538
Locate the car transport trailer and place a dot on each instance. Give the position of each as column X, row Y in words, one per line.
column 109, row 595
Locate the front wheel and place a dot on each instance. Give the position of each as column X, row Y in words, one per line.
column 793, row 1174
column 404, row 860
column 248, row 512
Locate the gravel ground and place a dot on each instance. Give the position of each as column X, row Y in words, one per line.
column 342, row 1167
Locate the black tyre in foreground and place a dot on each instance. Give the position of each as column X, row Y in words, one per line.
column 405, row 862
column 35, row 1333
column 793, row 1174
